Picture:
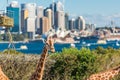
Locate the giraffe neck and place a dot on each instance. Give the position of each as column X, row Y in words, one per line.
column 107, row 75
column 40, row 66
column 2, row 75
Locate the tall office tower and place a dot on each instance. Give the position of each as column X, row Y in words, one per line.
column 24, row 16
column 72, row 24
column 59, row 16
column 66, row 21
column 48, row 14
column 13, row 11
column 44, row 23
column 40, row 12
column 30, row 23
column 58, row 9
column 29, row 19
column 60, row 20
column 31, row 9
column 80, row 23
column 59, row 6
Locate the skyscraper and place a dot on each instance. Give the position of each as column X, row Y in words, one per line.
column 80, row 23
column 24, row 16
column 59, row 6
column 58, row 15
column 40, row 12
column 60, row 20
column 44, row 23
column 72, row 24
column 66, row 21
column 48, row 14
column 13, row 12
column 29, row 18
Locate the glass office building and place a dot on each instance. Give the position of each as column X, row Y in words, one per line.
column 13, row 12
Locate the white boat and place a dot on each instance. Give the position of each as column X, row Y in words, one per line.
column 23, row 47
column 88, row 44
column 101, row 42
column 117, row 44
column 72, row 45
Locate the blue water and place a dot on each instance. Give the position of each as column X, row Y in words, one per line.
column 36, row 47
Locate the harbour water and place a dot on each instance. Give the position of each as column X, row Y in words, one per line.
column 35, row 47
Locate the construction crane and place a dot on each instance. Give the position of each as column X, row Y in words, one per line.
column 7, row 22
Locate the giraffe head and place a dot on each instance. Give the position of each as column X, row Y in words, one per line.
column 50, row 43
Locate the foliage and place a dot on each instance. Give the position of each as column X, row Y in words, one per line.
column 11, row 51
column 70, row 64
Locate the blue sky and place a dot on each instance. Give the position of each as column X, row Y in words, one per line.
column 80, row 7
column 92, row 9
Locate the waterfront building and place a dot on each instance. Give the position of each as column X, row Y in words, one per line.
column 13, row 12
column 90, row 27
column 48, row 14
column 66, row 21
column 80, row 23
column 72, row 24
column 44, row 23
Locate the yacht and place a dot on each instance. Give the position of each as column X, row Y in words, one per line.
column 23, row 47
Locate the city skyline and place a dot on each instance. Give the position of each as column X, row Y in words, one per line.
column 96, row 12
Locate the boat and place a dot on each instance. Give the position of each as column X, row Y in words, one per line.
column 88, row 44
column 72, row 45
column 23, row 47
column 101, row 41
column 117, row 44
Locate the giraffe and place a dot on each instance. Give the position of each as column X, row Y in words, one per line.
column 106, row 75
column 38, row 74
column 2, row 75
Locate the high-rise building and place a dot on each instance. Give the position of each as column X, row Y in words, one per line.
column 80, row 23
column 24, row 16
column 29, row 17
column 44, row 23
column 40, row 12
column 59, row 6
column 30, row 27
column 31, row 9
column 58, row 10
column 60, row 20
column 72, row 24
column 48, row 14
column 13, row 12
column 66, row 21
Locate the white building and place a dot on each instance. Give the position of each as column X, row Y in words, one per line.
column 29, row 17
column 80, row 23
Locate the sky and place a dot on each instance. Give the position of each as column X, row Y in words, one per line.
column 109, row 9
